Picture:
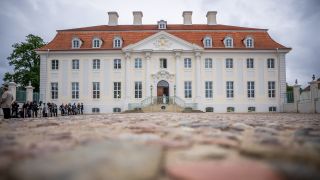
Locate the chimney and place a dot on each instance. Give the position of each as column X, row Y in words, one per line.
column 137, row 17
column 187, row 17
column 113, row 18
column 211, row 17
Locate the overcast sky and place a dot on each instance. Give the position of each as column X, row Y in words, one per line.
column 293, row 23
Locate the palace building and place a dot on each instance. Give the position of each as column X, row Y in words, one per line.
column 207, row 67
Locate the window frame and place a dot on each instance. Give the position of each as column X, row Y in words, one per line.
column 272, row 109
column 98, row 45
column 187, row 89
column 163, row 63
column 271, row 63
column 96, row 64
column 250, row 63
column 250, row 89
column 138, row 63
column 162, row 24
column 207, row 42
column 187, row 63
column 249, row 42
column 208, row 63
column 117, row 42
column 271, row 89
column 75, row 45
column 75, row 92
column 229, row 63
column 138, row 89
column 96, row 90
column 228, row 42
column 75, row 64
column 117, row 90
column 208, row 89
column 116, row 64
column 55, row 64
column 229, row 89
column 54, row 90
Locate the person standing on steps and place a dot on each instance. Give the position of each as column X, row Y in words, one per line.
column 6, row 101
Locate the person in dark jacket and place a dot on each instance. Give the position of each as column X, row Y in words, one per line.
column 35, row 109
column 15, row 108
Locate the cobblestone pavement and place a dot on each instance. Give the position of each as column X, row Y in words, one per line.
column 199, row 146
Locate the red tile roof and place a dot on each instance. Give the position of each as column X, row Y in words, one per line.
column 134, row 33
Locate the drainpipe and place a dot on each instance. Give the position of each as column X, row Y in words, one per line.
column 279, row 85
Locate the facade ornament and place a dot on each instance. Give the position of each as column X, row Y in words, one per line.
column 162, row 43
column 147, row 54
column 296, row 82
column 197, row 54
column 127, row 54
column 163, row 75
column 177, row 53
column 313, row 77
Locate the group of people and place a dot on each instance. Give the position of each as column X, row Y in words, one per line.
column 34, row 109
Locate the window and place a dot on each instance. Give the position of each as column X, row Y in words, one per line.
column 163, row 63
column 272, row 109
column 229, row 89
column 248, row 42
column 115, row 110
column 208, row 63
column 207, row 42
column 138, row 89
column 270, row 63
column 96, row 64
column 187, row 89
column 75, row 64
column 162, row 24
column 117, row 90
column 96, row 43
column 96, row 90
column 271, row 89
column 251, row 109
column 75, row 90
column 228, row 42
column 187, row 63
column 250, row 87
column 95, row 110
column 55, row 64
column 230, row 109
column 54, row 90
column 208, row 89
column 209, row 109
column 117, row 63
column 138, row 63
column 250, row 63
column 76, row 43
column 229, row 63
column 117, row 42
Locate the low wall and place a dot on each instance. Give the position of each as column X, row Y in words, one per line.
column 305, row 106
column 318, row 106
column 290, row 107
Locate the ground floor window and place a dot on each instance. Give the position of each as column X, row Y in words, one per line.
column 272, row 109
column 230, row 109
column 208, row 89
column 138, row 89
column 251, row 109
column 95, row 110
column 117, row 90
column 54, row 90
column 229, row 88
column 96, row 90
column 271, row 89
column 209, row 109
column 187, row 89
column 116, row 110
column 75, row 90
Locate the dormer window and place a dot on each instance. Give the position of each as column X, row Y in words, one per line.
column 162, row 24
column 117, row 42
column 228, row 42
column 248, row 42
column 207, row 42
column 96, row 43
column 76, row 43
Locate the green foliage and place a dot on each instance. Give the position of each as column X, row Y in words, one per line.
column 289, row 88
column 26, row 62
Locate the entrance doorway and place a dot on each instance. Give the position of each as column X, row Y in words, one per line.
column 163, row 88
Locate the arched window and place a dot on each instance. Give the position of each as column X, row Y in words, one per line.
column 249, row 42
column 228, row 42
column 76, row 43
column 117, row 42
column 207, row 42
column 96, row 43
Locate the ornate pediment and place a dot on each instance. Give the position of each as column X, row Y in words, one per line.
column 162, row 41
column 162, row 75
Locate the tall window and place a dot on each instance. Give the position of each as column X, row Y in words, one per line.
column 117, row 63
column 208, row 89
column 54, row 90
column 229, row 89
column 270, row 63
column 54, row 64
column 229, row 63
column 75, row 90
column 138, row 89
column 163, row 63
column 117, row 90
column 187, row 89
column 271, row 89
column 117, row 42
column 138, row 63
column 250, row 87
column 96, row 64
column 208, row 63
column 187, row 63
column 96, row 90
column 75, row 64
column 96, row 43
column 250, row 63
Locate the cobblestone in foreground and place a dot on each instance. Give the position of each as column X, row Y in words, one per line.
column 162, row 146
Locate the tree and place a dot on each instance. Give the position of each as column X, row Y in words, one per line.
column 26, row 62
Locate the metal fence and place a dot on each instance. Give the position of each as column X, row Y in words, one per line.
column 290, row 97
column 21, row 96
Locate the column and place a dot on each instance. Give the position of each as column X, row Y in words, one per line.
column 127, row 78
column 177, row 57
column 148, row 68
column 29, row 92
column 198, row 76
column 13, row 89
column 314, row 94
column 296, row 96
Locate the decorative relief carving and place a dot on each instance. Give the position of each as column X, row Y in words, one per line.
column 162, row 75
column 162, row 43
